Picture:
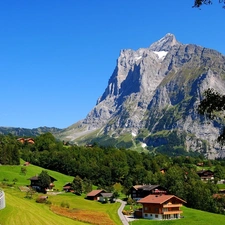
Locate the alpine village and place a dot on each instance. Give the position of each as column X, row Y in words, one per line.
column 151, row 151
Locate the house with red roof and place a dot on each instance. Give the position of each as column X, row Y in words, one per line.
column 26, row 140
column 95, row 195
column 160, row 207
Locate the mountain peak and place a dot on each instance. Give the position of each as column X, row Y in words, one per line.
column 165, row 43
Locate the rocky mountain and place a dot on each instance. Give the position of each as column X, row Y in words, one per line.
column 151, row 99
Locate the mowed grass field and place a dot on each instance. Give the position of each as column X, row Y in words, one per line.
column 20, row 211
column 23, row 211
column 191, row 217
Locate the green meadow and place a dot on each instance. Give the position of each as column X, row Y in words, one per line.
column 12, row 174
column 191, row 217
column 23, row 211
column 20, row 211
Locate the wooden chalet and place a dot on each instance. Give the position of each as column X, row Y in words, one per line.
column 26, row 164
column 26, row 140
column 95, row 195
column 34, row 183
column 160, row 207
column 141, row 191
column 206, row 175
column 68, row 187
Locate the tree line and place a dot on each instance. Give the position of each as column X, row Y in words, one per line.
column 107, row 166
column 9, row 150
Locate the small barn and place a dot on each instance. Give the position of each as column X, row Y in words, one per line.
column 68, row 187
column 95, row 195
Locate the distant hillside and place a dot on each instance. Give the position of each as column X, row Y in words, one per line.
column 17, row 131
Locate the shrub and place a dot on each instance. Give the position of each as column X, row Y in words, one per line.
column 15, row 180
column 48, row 202
column 130, row 201
column 42, row 199
column 127, row 212
column 65, row 204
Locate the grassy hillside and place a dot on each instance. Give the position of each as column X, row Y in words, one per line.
column 23, row 211
column 10, row 173
column 191, row 217
column 20, row 211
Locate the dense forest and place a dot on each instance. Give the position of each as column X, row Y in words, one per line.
column 9, row 150
column 107, row 166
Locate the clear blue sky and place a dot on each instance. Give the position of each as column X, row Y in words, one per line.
column 56, row 56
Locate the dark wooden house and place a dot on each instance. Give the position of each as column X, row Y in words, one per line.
column 141, row 191
column 68, row 187
column 206, row 175
column 34, row 183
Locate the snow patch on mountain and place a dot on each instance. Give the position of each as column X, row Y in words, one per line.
column 137, row 58
column 161, row 54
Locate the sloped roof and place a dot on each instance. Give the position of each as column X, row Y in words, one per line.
column 137, row 186
column 66, row 187
column 107, row 195
column 94, row 193
column 159, row 199
column 68, row 184
column 148, row 187
column 202, row 172
column 36, row 178
column 33, row 178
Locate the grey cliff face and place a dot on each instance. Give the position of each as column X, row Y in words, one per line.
column 155, row 89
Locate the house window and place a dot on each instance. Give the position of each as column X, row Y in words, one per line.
column 146, row 208
column 146, row 215
column 166, row 217
column 156, row 216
